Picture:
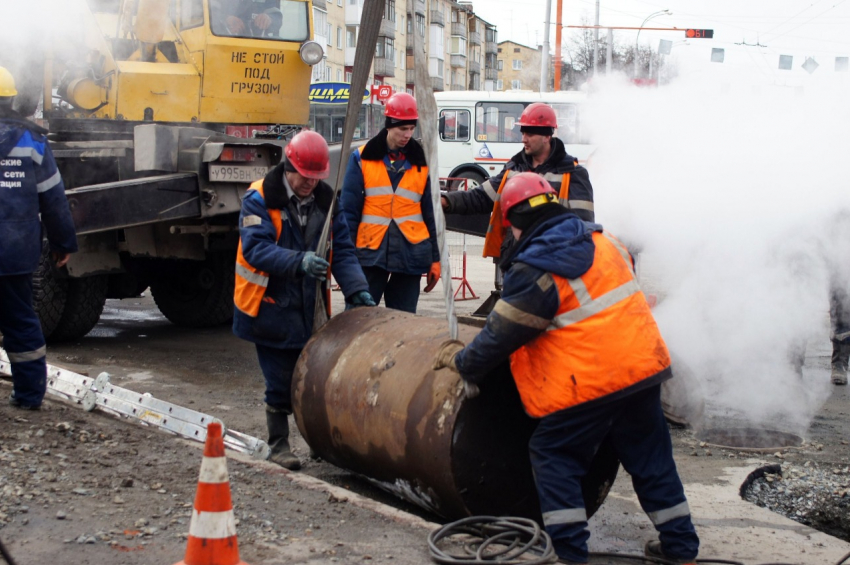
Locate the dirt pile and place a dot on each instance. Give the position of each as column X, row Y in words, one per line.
column 99, row 490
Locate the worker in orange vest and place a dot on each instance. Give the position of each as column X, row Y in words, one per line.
column 542, row 153
column 588, row 361
column 386, row 195
column 277, row 268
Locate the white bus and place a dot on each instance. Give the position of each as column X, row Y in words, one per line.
column 478, row 131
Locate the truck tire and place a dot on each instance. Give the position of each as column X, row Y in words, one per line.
column 196, row 294
column 49, row 293
column 474, row 180
column 83, row 307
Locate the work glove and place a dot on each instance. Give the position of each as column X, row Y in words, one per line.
column 362, row 298
column 446, row 355
column 433, row 276
column 314, row 266
column 446, row 359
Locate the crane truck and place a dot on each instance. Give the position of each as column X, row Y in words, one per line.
column 139, row 97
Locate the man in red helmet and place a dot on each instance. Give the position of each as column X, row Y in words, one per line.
column 542, row 154
column 387, row 199
column 277, row 268
column 588, row 361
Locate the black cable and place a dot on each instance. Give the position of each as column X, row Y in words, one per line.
column 508, row 540
column 490, row 539
column 5, row 553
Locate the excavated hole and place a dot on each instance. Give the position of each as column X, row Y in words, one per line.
column 814, row 494
column 749, row 439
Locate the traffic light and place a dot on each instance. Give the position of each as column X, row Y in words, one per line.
column 699, row 33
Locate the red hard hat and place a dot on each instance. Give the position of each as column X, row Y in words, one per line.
column 522, row 187
column 538, row 115
column 402, row 106
column 308, row 153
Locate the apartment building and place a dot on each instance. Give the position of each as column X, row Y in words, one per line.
column 461, row 50
column 518, row 67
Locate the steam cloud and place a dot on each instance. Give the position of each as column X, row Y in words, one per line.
column 735, row 193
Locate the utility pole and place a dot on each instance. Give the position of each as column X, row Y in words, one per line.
column 596, row 43
column 544, row 55
column 557, row 82
column 637, row 46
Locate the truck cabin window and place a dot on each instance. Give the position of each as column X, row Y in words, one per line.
column 282, row 20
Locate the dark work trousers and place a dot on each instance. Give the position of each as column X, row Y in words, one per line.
column 400, row 291
column 277, row 366
column 23, row 340
column 839, row 317
column 562, row 448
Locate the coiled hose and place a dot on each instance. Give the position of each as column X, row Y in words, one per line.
column 487, row 540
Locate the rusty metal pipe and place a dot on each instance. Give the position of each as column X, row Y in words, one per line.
column 366, row 399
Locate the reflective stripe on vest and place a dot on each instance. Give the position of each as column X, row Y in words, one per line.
column 382, row 205
column 251, row 283
column 496, row 232
column 602, row 339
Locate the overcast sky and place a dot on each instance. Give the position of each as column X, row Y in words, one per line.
column 801, row 28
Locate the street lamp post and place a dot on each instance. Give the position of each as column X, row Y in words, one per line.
column 649, row 17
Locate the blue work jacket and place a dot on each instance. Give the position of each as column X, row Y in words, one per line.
column 285, row 318
column 30, row 186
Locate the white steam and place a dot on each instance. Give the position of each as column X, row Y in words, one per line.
column 738, row 196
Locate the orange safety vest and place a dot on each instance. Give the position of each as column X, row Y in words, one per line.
column 602, row 340
column 496, row 232
column 251, row 283
column 382, row 205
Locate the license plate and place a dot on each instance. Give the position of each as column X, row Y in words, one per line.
column 236, row 173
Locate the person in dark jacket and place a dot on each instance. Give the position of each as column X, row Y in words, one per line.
column 542, row 154
column 588, row 361
column 387, row 199
column 32, row 203
column 277, row 268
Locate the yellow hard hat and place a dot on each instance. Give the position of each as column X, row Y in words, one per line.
column 7, row 84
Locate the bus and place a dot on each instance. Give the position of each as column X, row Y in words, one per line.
column 478, row 133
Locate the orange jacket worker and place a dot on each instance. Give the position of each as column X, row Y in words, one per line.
column 386, row 195
column 588, row 361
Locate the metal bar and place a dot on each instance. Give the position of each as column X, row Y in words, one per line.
column 136, row 202
column 618, row 27
column 89, row 153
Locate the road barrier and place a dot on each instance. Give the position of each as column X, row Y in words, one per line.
column 456, row 243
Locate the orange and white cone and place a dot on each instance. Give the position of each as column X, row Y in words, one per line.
column 212, row 531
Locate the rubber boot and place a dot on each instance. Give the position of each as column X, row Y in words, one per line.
column 278, row 423
column 840, row 358
column 653, row 549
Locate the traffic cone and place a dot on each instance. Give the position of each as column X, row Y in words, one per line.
column 212, row 531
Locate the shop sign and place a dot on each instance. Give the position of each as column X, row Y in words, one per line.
column 332, row 93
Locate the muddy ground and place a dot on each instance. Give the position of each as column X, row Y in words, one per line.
column 97, row 490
